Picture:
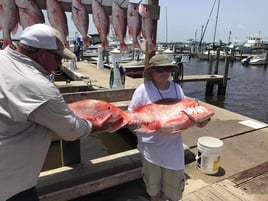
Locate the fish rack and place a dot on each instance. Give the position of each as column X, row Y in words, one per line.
column 67, row 6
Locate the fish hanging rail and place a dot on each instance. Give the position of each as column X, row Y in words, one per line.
column 67, row 6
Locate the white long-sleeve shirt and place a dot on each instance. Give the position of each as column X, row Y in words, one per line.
column 31, row 107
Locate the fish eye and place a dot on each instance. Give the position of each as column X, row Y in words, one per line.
column 109, row 107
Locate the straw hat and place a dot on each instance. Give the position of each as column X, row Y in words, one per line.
column 159, row 60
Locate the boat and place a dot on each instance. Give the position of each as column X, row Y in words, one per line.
column 205, row 55
column 134, row 68
column 258, row 59
column 253, row 44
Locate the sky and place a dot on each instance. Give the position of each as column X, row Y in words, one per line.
column 185, row 18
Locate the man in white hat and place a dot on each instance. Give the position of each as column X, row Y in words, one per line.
column 31, row 107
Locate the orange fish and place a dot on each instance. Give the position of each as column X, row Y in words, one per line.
column 169, row 115
column 99, row 111
column 29, row 13
column 101, row 21
column 8, row 20
column 81, row 19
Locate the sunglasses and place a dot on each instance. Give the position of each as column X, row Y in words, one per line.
column 162, row 69
column 57, row 56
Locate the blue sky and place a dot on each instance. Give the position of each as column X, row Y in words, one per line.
column 185, row 19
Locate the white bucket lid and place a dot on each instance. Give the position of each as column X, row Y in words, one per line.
column 210, row 142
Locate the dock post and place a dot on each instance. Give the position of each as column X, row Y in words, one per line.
column 210, row 65
column 217, row 62
column 222, row 87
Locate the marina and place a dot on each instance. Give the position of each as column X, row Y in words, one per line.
column 107, row 166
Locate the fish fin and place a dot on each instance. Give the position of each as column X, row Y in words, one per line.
column 86, row 41
column 136, row 44
column 123, row 46
column 152, row 47
column 149, row 127
column 8, row 42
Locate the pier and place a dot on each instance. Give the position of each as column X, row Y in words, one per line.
column 84, row 167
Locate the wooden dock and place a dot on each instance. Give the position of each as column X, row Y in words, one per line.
column 244, row 156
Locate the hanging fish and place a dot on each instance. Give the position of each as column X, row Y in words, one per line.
column 101, row 21
column 134, row 24
column 29, row 13
column 119, row 23
column 81, row 19
column 57, row 18
column 147, row 27
column 8, row 20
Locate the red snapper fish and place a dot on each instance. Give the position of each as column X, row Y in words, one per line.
column 99, row 111
column 169, row 115
column 81, row 19
column 101, row 21
column 134, row 24
column 8, row 20
column 57, row 18
column 29, row 13
column 147, row 27
column 119, row 23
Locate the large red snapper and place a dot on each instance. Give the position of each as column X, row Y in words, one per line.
column 99, row 111
column 8, row 20
column 169, row 115
column 102, row 22
column 81, row 19
column 29, row 13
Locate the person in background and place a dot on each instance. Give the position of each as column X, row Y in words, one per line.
column 31, row 109
column 162, row 153
column 76, row 50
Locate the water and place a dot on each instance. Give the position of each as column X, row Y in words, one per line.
column 246, row 93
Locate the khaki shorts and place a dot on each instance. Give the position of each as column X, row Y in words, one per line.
column 157, row 179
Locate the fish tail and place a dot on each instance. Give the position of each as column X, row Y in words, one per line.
column 136, row 44
column 86, row 41
column 152, row 47
column 123, row 46
column 6, row 43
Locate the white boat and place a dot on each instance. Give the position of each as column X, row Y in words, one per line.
column 205, row 55
column 259, row 59
column 256, row 42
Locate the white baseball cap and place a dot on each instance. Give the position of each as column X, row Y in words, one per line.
column 45, row 37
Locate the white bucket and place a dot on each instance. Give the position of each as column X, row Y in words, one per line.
column 209, row 153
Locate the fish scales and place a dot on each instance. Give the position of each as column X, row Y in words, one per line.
column 81, row 20
column 119, row 23
column 134, row 24
column 57, row 18
column 147, row 27
column 101, row 21
column 8, row 20
column 169, row 115
column 29, row 13
column 98, row 111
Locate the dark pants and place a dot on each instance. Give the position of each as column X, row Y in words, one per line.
column 27, row 195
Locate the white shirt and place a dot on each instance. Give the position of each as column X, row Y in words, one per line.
column 30, row 108
column 163, row 149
